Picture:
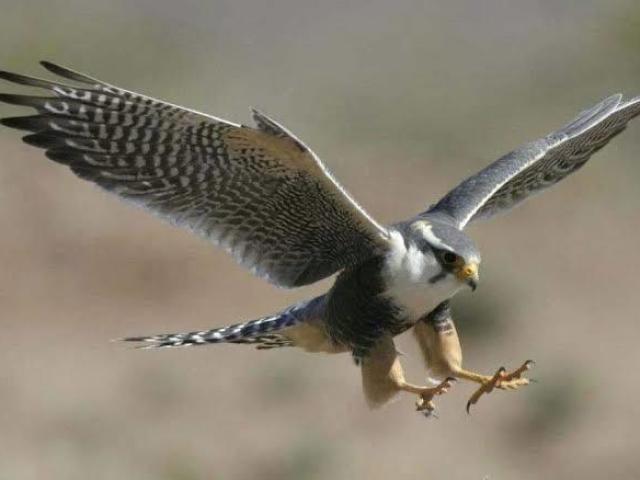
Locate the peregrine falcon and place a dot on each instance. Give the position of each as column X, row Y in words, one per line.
column 263, row 195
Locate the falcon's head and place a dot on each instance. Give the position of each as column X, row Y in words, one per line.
column 435, row 252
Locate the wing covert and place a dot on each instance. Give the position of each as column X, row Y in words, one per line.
column 259, row 193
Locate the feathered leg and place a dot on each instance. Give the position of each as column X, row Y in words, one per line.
column 383, row 378
column 438, row 340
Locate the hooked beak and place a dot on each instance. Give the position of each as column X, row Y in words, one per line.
column 468, row 274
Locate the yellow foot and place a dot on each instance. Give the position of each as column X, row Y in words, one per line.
column 425, row 403
column 502, row 380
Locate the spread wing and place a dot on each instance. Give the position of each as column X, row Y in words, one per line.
column 258, row 192
column 539, row 164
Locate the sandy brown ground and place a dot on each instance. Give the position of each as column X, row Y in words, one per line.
column 401, row 103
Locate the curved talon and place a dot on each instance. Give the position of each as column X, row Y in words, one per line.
column 425, row 403
column 517, row 374
column 502, row 380
column 469, row 407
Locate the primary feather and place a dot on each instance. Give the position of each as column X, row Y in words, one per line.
column 260, row 193
column 537, row 165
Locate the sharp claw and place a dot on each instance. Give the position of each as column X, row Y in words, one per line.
column 425, row 404
column 502, row 380
column 476, row 396
column 430, row 414
column 520, row 370
column 469, row 403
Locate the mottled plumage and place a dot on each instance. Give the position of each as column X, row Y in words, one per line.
column 265, row 197
column 259, row 193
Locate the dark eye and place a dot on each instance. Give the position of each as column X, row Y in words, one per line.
column 449, row 258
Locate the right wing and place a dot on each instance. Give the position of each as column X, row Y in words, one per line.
column 260, row 193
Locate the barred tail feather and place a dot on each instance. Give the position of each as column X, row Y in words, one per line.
column 261, row 331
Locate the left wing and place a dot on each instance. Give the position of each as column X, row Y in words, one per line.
column 537, row 165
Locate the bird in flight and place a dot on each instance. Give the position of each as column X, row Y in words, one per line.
column 263, row 195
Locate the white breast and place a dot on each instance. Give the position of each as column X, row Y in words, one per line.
column 407, row 273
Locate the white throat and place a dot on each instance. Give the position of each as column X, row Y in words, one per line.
column 407, row 272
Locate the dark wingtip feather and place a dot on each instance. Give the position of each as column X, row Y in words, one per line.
column 32, row 123
column 25, row 80
column 68, row 73
column 69, row 156
column 60, row 155
column 25, row 100
column 14, row 99
column 42, row 140
column 132, row 339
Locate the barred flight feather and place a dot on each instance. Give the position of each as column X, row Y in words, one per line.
column 259, row 193
column 537, row 165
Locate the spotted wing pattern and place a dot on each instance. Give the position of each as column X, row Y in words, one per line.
column 258, row 192
column 537, row 165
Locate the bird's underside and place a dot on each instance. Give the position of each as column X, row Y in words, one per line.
column 304, row 327
column 265, row 197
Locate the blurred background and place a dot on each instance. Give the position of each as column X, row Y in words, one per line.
column 402, row 99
